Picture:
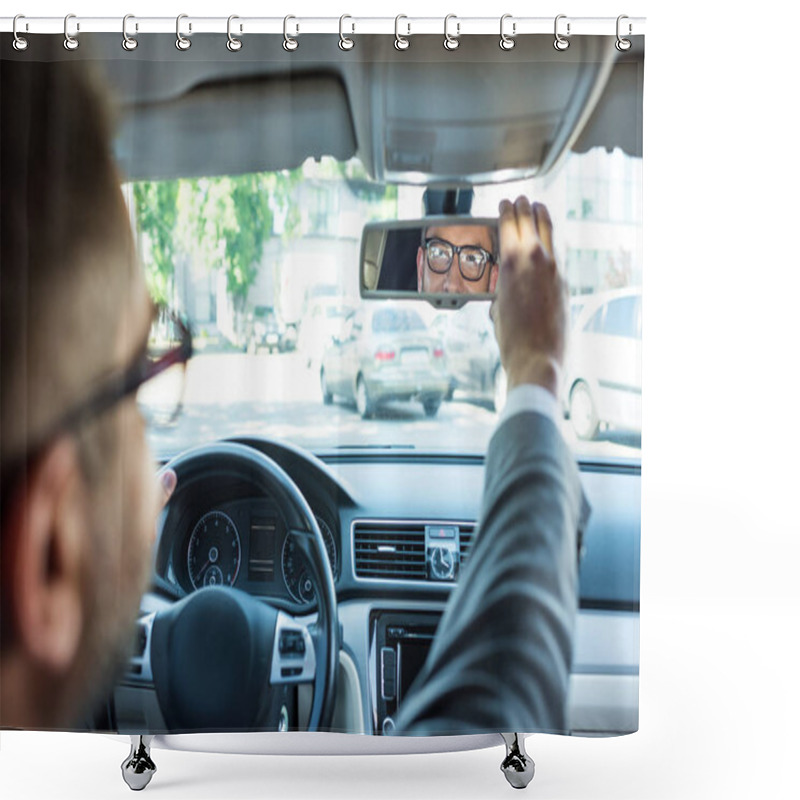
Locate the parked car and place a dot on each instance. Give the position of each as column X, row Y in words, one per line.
column 473, row 357
column 323, row 321
column 603, row 370
column 386, row 353
column 268, row 330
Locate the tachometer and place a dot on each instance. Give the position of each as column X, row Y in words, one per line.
column 296, row 572
column 215, row 551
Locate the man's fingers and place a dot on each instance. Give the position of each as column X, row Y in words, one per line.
column 518, row 225
column 507, row 227
column 525, row 222
column 167, row 480
column 544, row 226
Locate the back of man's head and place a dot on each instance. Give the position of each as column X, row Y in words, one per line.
column 67, row 266
column 58, row 189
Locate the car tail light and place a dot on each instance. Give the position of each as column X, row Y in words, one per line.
column 384, row 355
column 438, row 352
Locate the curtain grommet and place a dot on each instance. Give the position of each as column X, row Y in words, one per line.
column 70, row 42
column 401, row 42
column 129, row 43
column 623, row 44
column 507, row 42
column 290, row 44
column 181, row 42
column 561, row 42
column 233, row 44
column 20, row 43
column 345, row 43
column 451, row 42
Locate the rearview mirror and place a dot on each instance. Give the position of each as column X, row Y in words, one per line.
column 446, row 260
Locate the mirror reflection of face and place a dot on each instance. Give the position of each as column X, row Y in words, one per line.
column 453, row 281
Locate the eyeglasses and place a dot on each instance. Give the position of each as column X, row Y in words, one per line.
column 472, row 260
column 157, row 378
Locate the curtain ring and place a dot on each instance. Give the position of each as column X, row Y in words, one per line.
column 401, row 42
column 344, row 42
column 181, row 42
column 561, row 42
column 70, row 42
column 623, row 44
column 451, row 42
column 128, row 42
column 289, row 43
column 233, row 44
column 20, row 42
column 507, row 42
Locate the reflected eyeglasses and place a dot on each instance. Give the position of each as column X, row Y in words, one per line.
column 472, row 260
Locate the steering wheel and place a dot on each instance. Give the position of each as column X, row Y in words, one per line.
column 223, row 660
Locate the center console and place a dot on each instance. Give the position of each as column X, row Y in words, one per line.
column 399, row 645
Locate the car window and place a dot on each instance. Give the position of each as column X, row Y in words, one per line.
column 595, row 323
column 621, row 317
column 395, row 320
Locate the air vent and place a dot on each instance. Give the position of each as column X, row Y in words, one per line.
column 390, row 550
column 396, row 550
column 465, row 537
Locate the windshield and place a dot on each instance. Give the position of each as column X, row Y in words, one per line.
column 265, row 266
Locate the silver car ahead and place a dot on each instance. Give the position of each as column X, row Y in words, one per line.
column 385, row 353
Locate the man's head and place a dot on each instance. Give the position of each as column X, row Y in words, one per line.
column 443, row 265
column 78, row 502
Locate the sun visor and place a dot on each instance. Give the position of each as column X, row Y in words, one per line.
column 622, row 100
column 478, row 114
column 249, row 125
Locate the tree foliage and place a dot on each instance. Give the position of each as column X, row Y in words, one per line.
column 156, row 212
column 224, row 222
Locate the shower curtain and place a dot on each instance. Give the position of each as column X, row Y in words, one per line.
column 414, row 585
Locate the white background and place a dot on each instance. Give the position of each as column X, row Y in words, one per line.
column 720, row 602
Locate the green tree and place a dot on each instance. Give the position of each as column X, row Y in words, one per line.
column 156, row 214
column 224, row 222
column 244, row 222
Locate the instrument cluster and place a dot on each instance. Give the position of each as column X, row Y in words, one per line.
column 245, row 544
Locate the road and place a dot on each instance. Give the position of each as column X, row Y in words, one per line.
column 237, row 394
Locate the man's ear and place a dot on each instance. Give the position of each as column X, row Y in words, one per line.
column 493, row 270
column 45, row 548
column 420, row 267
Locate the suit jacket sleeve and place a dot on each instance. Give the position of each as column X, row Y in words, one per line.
column 502, row 654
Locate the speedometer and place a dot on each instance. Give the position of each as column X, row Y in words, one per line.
column 296, row 572
column 215, row 551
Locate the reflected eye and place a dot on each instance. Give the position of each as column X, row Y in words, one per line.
column 439, row 252
column 471, row 257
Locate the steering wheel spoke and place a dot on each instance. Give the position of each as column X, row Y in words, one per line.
column 139, row 664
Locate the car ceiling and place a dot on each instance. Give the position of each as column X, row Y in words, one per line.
column 473, row 115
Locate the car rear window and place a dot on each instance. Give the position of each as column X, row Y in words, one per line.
column 391, row 320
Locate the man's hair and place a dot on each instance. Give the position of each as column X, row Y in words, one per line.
column 66, row 261
column 63, row 246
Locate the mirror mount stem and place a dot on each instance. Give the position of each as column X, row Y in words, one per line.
column 447, row 201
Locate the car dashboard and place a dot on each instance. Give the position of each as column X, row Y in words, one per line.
column 397, row 527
